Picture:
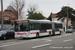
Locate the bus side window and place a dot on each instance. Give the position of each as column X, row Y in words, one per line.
column 50, row 26
column 32, row 27
column 37, row 26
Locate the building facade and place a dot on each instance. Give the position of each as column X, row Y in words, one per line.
column 9, row 15
column 64, row 22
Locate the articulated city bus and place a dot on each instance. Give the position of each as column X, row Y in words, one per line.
column 34, row 28
column 57, row 27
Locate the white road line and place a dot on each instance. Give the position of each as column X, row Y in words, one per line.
column 21, row 42
column 68, row 40
column 6, row 43
column 41, row 45
column 12, row 44
column 41, row 40
column 10, row 40
column 62, row 36
column 48, row 40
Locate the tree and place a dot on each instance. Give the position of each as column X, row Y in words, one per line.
column 64, row 11
column 32, row 9
column 49, row 18
column 36, row 16
column 14, row 7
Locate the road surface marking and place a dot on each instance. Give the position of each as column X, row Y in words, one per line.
column 12, row 44
column 6, row 43
column 48, row 40
column 62, row 36
column 41, row 45
column 68, row 40
column 41, row 39
column 21, row 42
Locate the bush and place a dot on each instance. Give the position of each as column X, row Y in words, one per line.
column 7, row 22
column 4, row 22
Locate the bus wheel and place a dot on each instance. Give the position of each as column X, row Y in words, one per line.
column 4, row 38
column 60, row 33
column 37, row 35
column 49, row 33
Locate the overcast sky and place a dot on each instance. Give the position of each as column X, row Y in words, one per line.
column 44, row 6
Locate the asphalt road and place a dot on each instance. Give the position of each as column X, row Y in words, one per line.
column 58, row 42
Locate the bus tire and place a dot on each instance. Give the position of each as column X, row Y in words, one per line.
column 49, row 33
column 4, row 38
column 37, row 35
column 60, row 33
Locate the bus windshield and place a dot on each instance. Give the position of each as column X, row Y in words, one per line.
column 21, row 26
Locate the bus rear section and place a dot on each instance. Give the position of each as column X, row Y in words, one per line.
column 57, row 27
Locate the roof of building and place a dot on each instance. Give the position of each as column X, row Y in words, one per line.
column 54, row 15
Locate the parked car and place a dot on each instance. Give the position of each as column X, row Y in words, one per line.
column 5, row 34
column 9, row 27
column 69, row 31
column 4, row 28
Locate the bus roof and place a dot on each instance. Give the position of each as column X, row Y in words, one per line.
column 41, row 21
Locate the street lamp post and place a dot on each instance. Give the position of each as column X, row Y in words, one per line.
column 18, row 9
column 67, row 17
column 1, row 14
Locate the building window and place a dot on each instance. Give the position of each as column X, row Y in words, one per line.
column 61, row 20
column 65, row 19
column 6, row 18
column 55, row 19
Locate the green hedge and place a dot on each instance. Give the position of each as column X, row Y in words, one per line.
column 6, row 22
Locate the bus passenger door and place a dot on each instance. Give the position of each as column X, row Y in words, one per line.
column 42, row 29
